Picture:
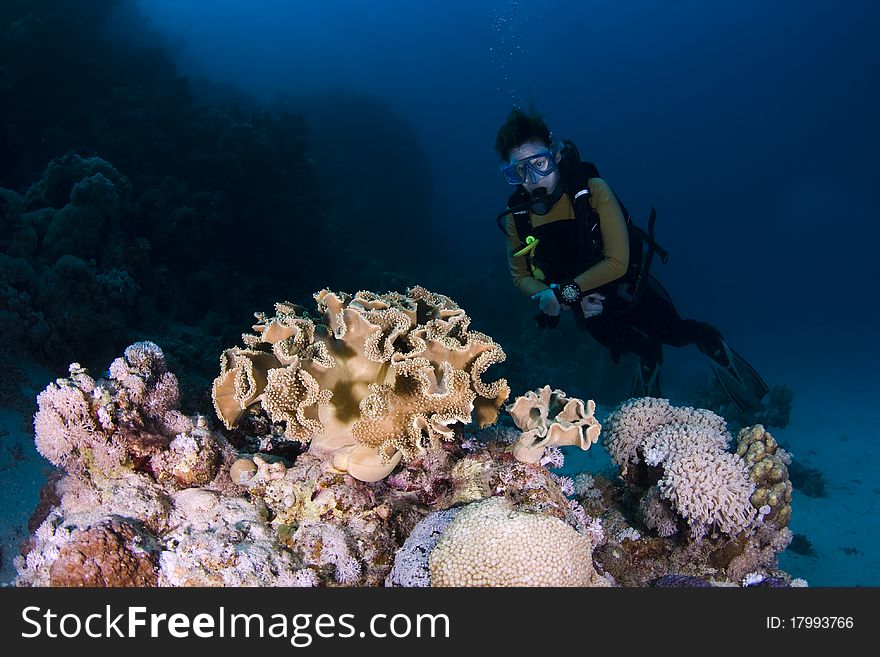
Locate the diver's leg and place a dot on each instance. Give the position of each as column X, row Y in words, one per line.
column 647, row 380
column 657, row 316
column 619, row 336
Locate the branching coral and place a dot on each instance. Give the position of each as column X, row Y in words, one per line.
column 379, row 378
column 709, row 488
column 126, row 421
column 679, row 454
column 634, row 421
column 548, row 418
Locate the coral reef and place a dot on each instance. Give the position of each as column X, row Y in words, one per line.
column 152, row 497
column 708, row 512
column 378, row 379
column 335, row 455
column 147, row 496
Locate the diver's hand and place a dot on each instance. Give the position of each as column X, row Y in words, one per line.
column 545, row 321
column 591, row 304
column 547, row 302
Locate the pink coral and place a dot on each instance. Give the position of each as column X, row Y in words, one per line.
column 64, row 424
column 123, row 421
column 709, row 489
column 631, row 429
column 630, row 423
column 704, row 484
column 142, row 380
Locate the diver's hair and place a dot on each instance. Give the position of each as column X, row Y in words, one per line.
column 519, row 128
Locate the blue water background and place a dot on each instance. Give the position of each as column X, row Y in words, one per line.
column 751, row 126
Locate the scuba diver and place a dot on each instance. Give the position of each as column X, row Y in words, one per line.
column 573, row 246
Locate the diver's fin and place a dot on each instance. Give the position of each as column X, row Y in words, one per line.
column 739, row 380
column 646, row 382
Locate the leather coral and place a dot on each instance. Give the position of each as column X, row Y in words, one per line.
column 549, row 418
column 373, row 380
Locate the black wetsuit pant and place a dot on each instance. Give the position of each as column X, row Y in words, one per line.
column 643, row 330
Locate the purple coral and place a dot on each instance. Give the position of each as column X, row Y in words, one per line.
column 64, row 424
column 566, row 484
column 680, row 581
column 144, row 380
column 411, row 561
column 123, row 420
column 553, row 458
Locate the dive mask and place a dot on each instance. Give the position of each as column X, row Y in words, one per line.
column 531, row 168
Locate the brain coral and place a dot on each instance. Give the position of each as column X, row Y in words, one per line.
column 489, row 543
column 378, row 378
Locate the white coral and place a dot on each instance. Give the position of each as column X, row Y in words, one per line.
column 491, row 544
column 630, row 424
column 709, row 489
column 222, row 541
column 653, row 428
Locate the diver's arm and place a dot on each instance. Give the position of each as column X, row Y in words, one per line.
column 519, row 266
column 615, row 239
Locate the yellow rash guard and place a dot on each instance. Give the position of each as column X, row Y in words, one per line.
column 615, row 241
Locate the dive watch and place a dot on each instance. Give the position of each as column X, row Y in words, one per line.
column 568, row 293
